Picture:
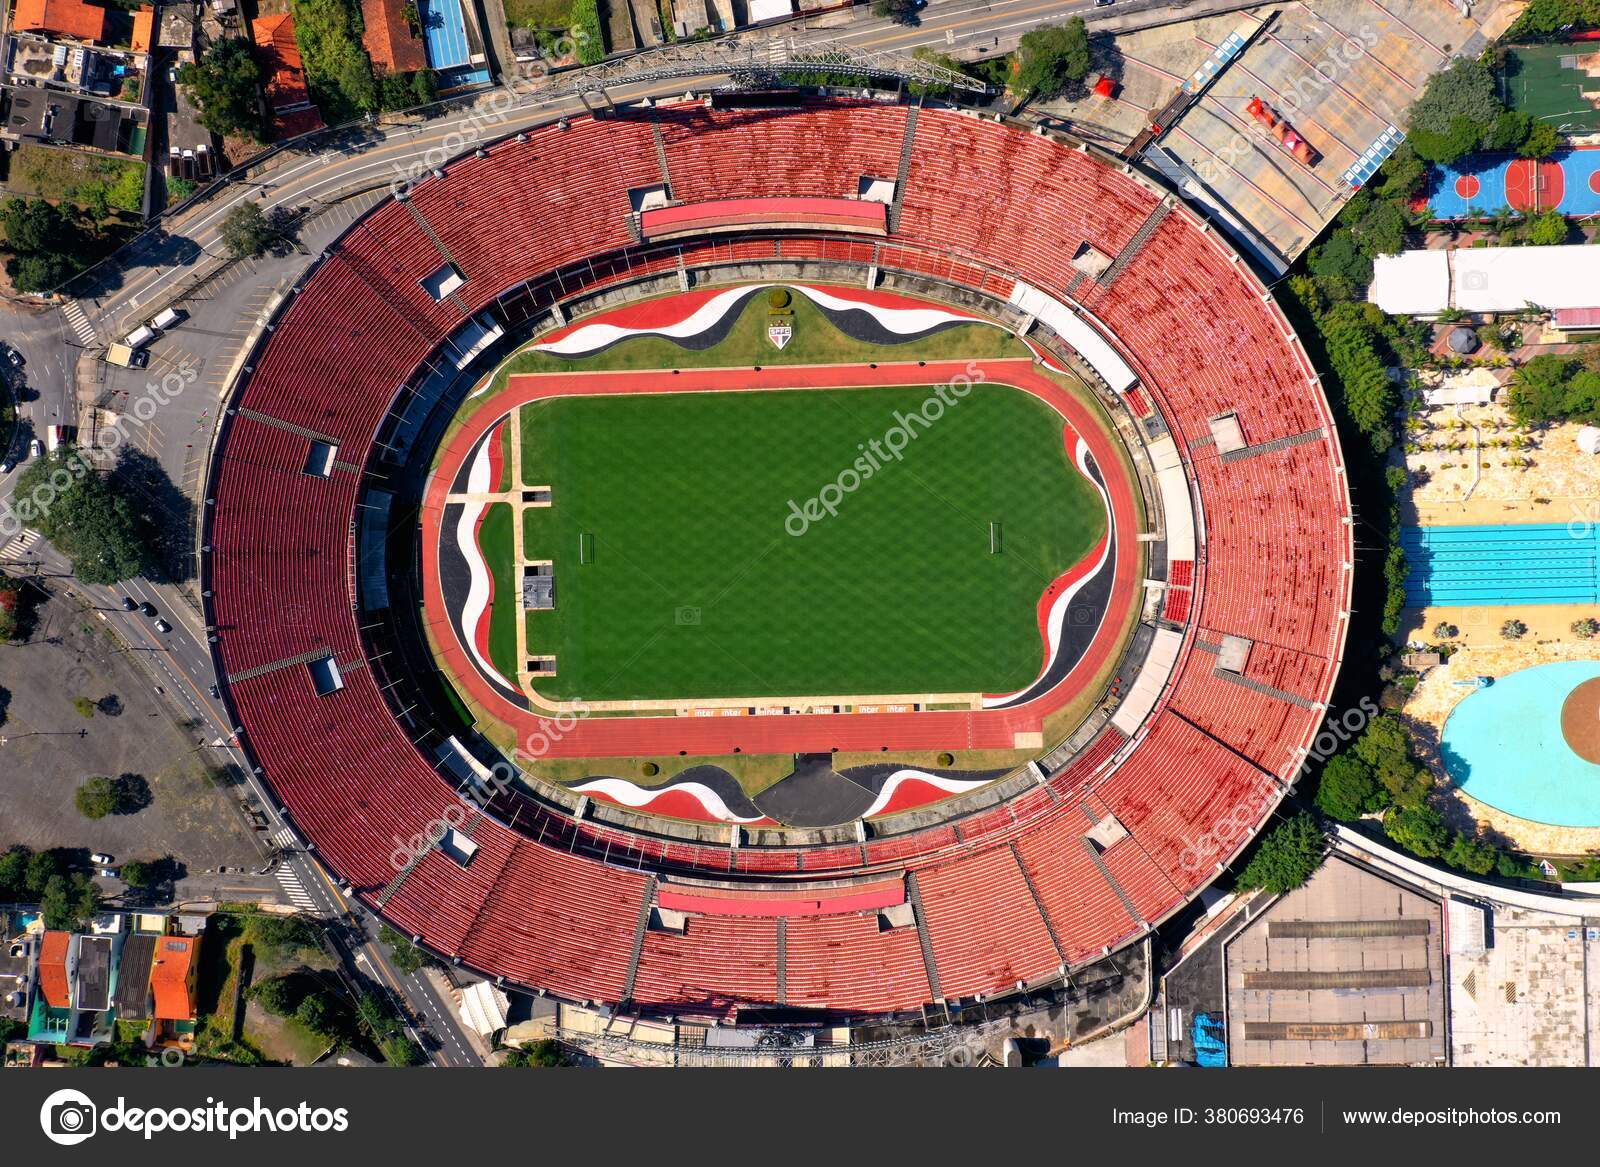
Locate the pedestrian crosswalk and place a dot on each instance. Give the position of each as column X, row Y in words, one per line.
column 18, row 546
column 283, row 838
column 78, row 320
column 295, row 890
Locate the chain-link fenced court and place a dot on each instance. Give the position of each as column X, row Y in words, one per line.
column 1559, row 84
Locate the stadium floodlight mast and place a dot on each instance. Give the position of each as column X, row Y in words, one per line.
column 763, row 65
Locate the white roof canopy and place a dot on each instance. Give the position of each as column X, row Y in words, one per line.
column 1486, row 279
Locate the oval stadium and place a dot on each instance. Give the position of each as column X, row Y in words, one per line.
column 731, row 559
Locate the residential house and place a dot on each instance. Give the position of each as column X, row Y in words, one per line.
column 388, row 34
column 72, row 19
column 172, row 982
column 288, row 99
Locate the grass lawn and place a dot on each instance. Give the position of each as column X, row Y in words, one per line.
column 77, row 177
column 539, row 13
column 816, row 342
column 696, row 588
column 495, row 537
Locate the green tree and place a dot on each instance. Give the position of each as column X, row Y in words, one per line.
column 400, row 1050
column 591, row 47
column 1419, row 829
column 94, row 525
column 1457, row 112
column 47, row 247
column 1384, row 747
column 246, row 231
column 13, row 874
column 338, row 71
column 43, row 866
column 138, row 874
column 1339, row 265
column 1554, row 387
column 405, row 956
column 1053, row 57
column 279, row 996
column 69, row 902
column 281, row 935
column 97, row 798
column 317, row 1012
column 1286, row 856
column 1381, row 230
column 1547, row 228
column 1346, row 788
column 543, row 1052
column 899, row 11
column 1462, row 136
column 1470, row 853
column 1508, row 131
column 1542, row 141
column 225, row 86
column 1351, row 340
column 424, row 87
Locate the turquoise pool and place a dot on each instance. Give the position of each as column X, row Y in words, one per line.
column 1504, row 746
column 1514, row 563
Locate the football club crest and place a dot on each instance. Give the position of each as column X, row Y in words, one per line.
column 780, row 317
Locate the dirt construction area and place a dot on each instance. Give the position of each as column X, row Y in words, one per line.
column 76, row 704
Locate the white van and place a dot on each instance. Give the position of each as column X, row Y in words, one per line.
column 139, row 337
column 165, row 319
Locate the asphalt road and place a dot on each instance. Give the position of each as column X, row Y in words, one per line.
column 180, row 659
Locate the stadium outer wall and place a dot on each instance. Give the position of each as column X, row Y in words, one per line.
column 459, row 915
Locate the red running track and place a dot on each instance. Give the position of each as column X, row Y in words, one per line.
column 606, row 737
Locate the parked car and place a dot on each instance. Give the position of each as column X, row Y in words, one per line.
column 101, row 858
column 216, row 693
column 129, row 604
column 14, row 357
column 8, row 466
column 148, row 609
column 36, row 449
column 163, row 627
column 107, row 873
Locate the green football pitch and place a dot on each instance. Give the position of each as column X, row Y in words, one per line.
column 677, row 577
column 1544, row 82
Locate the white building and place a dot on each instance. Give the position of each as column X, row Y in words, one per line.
column 1564, row 281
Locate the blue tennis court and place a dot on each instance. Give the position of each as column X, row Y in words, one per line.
column 1479, row 185
column 1523, row 563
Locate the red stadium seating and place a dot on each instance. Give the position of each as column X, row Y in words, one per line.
column 1008, row 895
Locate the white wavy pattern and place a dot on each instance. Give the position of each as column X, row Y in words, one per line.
column 1058, row 608
column 467, row 541
column 900, row 777
column 637, row 796
column 900, row 321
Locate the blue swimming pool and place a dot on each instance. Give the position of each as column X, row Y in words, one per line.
column 1504, row 746
column 1523, row 563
